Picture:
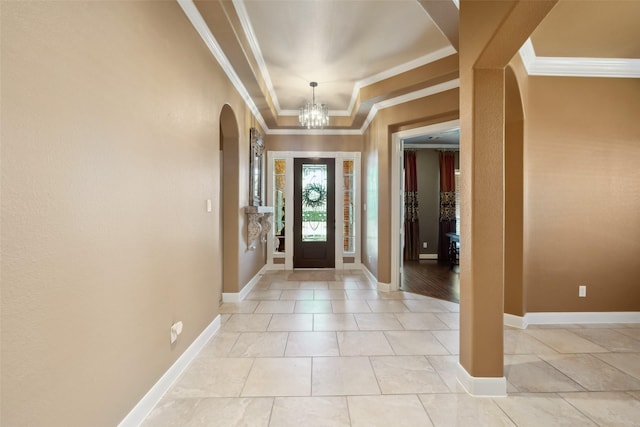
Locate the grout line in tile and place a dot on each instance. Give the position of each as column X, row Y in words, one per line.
column 578, row 409
column 244, row 384
column 273, row 404
column 375, row 375
column 425, row 410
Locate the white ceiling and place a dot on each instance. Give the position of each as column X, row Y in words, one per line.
column 339, row 44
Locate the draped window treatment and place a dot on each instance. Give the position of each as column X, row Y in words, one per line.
column 411, row 223
column 447, row 203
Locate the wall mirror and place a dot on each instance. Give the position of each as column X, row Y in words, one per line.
column 255, row 167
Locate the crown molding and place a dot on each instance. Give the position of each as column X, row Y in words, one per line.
column 257, row 52
column 577, row 67
column 432, row 90
column 305, row 131
column 198, row 22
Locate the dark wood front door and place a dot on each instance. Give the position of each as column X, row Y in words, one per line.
column 314, row 213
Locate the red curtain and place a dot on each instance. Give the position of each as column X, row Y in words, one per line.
column 411, row 224
column 447, row 203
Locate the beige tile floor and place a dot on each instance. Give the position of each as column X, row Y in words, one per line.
column 324, row 348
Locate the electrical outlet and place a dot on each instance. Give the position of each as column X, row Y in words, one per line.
column 582, row 291
column 424, row 245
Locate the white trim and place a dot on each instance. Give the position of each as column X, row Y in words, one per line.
column 482, row 386
column 245, row 22
column 383, row 287
column 352, row 265
column 155, row 393
column 402, row 68
column 432, row 90
column 369, row 274
column 396, row 196
column 428, row 256
column 582, row 317
column 203, row 30
column 515, row 321
column 305, row 131
column 240, row 296
column 397, row 202
column 576, row 66
column 289, row 156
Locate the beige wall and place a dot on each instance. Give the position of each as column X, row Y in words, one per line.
column 513, row 196
column 433, row 109
column 314, row 143
column 582, row 181
column 110, row 149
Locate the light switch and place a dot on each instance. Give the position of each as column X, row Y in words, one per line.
column 209, row 205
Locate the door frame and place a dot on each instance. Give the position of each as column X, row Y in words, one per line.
column 339, row 254
column 397, row 175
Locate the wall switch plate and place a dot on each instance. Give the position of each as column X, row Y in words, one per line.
column 424, row 245
column 582, row 291
column 209, row 205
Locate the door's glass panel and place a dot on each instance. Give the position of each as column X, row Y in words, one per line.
column 278, row 197
column 314, row 203
column 348, row 216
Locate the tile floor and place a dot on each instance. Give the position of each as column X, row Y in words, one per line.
column 324, row 348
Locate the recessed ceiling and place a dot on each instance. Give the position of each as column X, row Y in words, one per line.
column 368, row 55
column 337, row 44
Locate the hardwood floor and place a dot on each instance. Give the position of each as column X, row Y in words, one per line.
column 427, row 277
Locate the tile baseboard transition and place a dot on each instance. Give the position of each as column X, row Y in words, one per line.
column 382, row 287
column 554, row 318
column 482, row 386
column 515, row 321
column 240, row 296
column 155, row 393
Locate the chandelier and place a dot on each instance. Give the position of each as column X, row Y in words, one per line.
column 314, row 115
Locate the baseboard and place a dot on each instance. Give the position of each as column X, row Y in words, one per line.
column 482, row 386
column 153, row 396
column 428, row 256
column 240, row 296
column 515, row 321
column 352, row 266
column 369, row 274
column 383, row 287
column 582, row 317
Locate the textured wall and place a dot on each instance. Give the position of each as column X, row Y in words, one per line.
column 582, row 194
column 110, row 150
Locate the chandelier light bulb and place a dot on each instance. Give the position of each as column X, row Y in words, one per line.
column 314, row 115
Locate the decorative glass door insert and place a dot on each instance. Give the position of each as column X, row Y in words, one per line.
column 314, row 203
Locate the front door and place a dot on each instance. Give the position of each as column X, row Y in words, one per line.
column 314, row 213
